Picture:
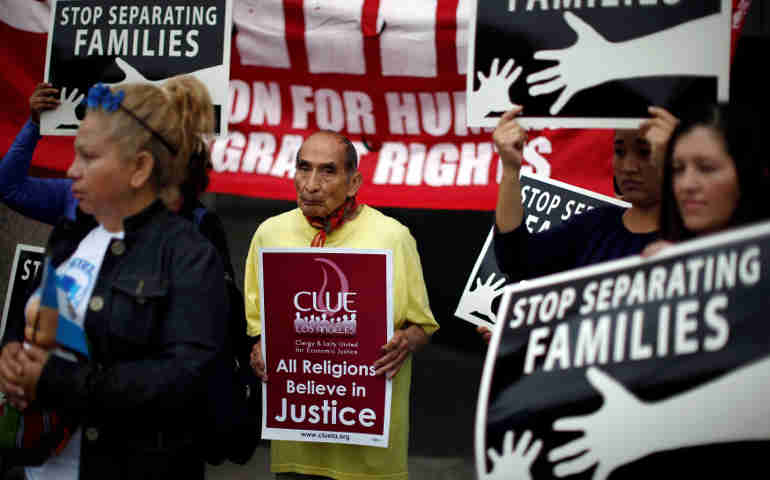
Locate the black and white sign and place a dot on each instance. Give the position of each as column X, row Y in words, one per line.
column 26, row 271
column 595, row 63
column 547, row 203
column 635, row 368
column 123, row 41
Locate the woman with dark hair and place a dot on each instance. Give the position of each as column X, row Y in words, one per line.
column 598, row 235
column 714, row 177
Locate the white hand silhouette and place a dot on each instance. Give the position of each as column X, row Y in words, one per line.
column 514, row 462
column 593, row 60
column 625, row 429
column 574, row 72
column 621, row 415
column 480, row 299
column 132, row 74
column 208, row 76
column 492, row 95
column 64, row 114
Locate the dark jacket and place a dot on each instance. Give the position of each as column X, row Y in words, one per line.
column 597, row 235
column 210, row 226
column 154, row 329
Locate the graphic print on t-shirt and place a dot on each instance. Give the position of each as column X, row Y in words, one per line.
column 76, row 279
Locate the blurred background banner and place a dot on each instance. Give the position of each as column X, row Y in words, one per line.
column 390, row 76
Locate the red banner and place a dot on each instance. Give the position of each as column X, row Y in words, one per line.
column 322, row 332
column 389, row 78
column 740, row 9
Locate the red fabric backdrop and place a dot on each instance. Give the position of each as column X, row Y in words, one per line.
column 391, row 80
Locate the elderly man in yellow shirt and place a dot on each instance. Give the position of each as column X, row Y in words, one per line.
column 327, row 180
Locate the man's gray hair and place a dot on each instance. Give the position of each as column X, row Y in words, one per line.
column 351, row 155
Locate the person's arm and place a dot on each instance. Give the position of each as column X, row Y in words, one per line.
column 190, row 336
column 251, row 288
column 522, row 255
column 517, row 256
column 251, row 303
column 511, row 239
column 509, row 138
column 42, row 199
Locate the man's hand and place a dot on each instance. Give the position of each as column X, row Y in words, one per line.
column 42, row 99
column 257, row 361
column 403, row 342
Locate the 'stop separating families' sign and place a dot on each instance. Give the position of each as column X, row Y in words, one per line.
column 122, row 41
column 547, row 203
column 634, row 367
column 595, row 63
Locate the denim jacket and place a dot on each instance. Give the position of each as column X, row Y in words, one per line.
column 154, row 328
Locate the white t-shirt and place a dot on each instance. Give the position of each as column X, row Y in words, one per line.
column 78, row 275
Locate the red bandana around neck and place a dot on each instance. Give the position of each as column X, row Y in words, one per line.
column 326, row 225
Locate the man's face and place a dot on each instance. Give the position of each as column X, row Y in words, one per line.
column 321, row 180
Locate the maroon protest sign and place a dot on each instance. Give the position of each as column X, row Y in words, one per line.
column 325, row 314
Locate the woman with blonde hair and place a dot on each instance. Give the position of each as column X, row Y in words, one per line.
column 146, row 287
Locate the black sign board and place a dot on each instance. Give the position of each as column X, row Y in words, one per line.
column 595, row 63
column 634, row 368
column 26, row 271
